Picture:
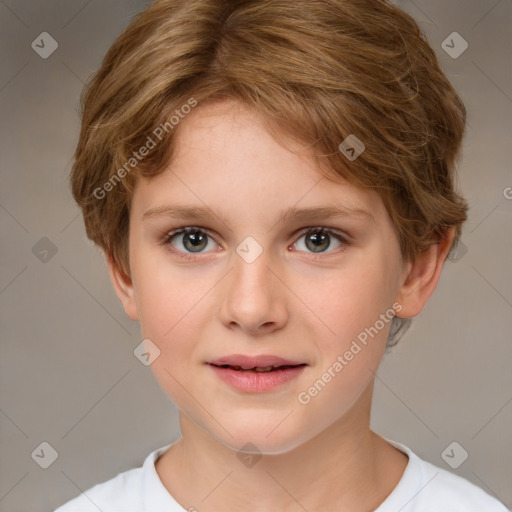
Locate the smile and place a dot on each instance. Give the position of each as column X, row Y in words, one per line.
column 258, row 379
column 257, row 368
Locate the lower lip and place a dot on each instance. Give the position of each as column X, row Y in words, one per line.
column 257, row 382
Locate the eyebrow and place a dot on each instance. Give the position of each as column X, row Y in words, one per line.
column 297, row 214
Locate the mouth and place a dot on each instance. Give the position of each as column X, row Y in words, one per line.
column 261, row 362
column 253, row 378
column 259, row 369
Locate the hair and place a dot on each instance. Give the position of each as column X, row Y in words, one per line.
column 316, row 71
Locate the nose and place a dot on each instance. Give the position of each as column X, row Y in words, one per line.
column 253, row 297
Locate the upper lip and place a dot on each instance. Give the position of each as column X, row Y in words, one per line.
column 248, row 362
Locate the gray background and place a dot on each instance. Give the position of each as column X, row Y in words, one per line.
column 68, row 373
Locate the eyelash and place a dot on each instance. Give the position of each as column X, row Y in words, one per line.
column 312, row 230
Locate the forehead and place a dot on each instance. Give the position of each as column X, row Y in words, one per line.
column 229, row 129
column 225, row 157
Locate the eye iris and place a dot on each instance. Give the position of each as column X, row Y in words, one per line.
column 193, row 240
column 318, row 239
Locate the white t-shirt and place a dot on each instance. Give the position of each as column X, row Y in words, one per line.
column 422, row 488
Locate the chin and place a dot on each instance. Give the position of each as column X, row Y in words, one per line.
column 260, row 439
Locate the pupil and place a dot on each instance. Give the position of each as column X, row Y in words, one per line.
column 316, row 242
column 194, row 240
column 319, row 241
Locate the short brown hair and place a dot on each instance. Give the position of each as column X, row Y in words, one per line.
column 316, row 70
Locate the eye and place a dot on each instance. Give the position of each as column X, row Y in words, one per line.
column 188, row 240
column 319, row 239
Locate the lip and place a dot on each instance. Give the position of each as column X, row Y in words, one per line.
column 252, row 381
column 248, row 362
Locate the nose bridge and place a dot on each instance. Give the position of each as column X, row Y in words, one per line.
column 252, row 273
column 251, row 296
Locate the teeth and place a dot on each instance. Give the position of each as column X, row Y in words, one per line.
column 265, row 369
column 256, row 369
column 260, row 369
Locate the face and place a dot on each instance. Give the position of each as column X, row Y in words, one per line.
column 246, row 280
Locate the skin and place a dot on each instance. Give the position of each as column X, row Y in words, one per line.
column 291, row 302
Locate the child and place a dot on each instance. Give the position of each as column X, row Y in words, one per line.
column 271, row 181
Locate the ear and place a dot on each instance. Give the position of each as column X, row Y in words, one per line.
column 123, row 287
column 422, row 275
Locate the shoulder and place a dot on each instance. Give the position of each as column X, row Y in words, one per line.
column 425, row 487
column 123, row 493
column 461, row 494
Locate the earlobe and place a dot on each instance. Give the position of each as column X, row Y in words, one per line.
column 422, row 275
column 123, row 287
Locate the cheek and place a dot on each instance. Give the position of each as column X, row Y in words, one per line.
column 172, row 309
column 351, row 306
column 352, row 300
column 355, row 304
column 168, row 318
column 165, row 296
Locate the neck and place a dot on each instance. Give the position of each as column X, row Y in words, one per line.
column 346, row 464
